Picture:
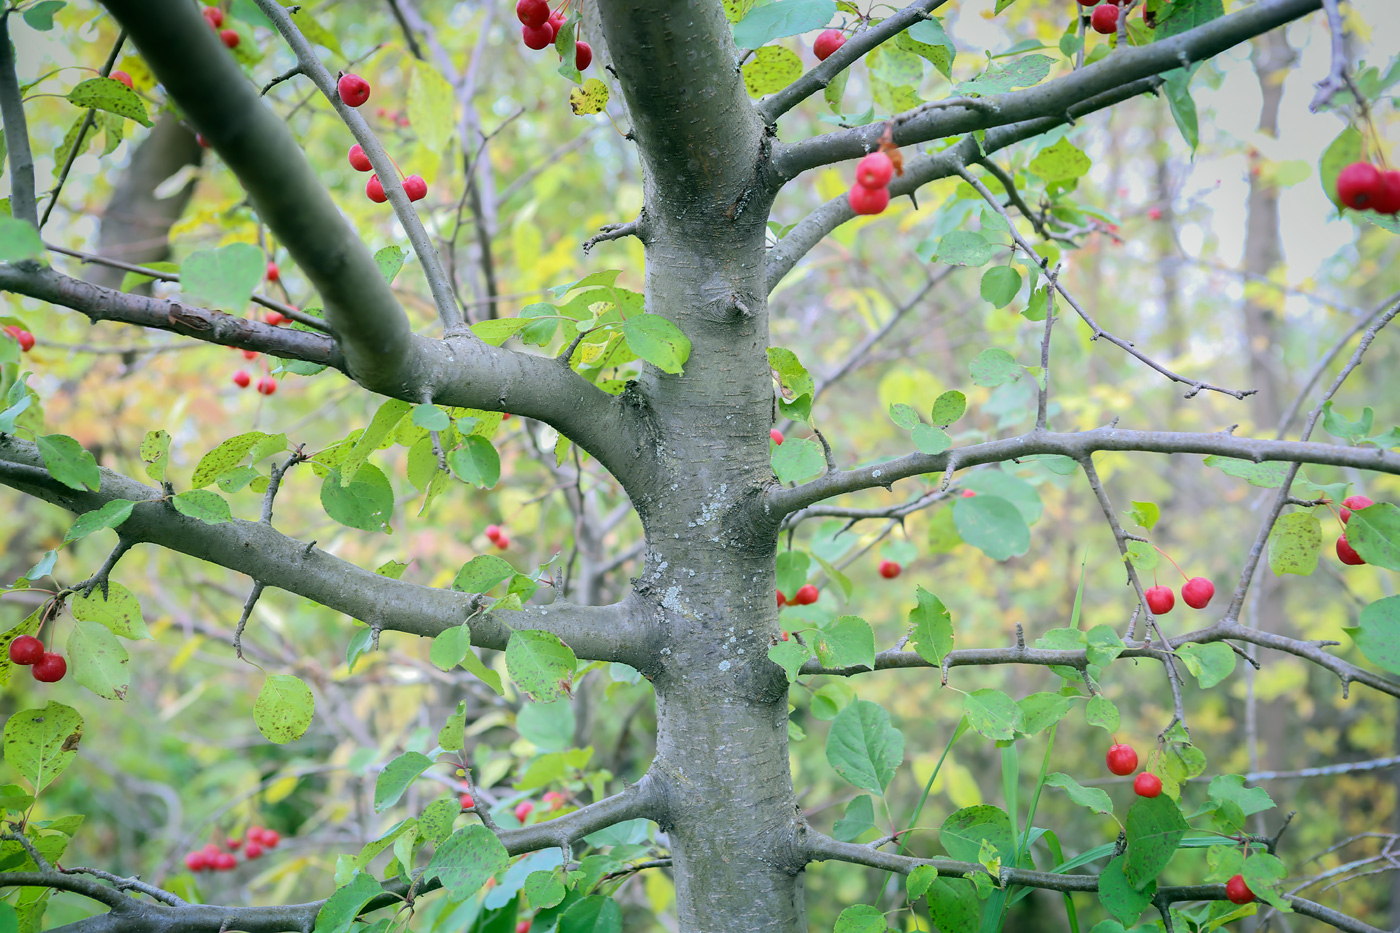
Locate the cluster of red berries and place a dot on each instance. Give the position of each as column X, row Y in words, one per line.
column 1104, row 19
column 805, row 596
column 212, row 858
column 1345, row 552
column 828, row 41
column 1195, row 592
column 539, row 27
column 1123, row 760
column 215, row 18
column 266, row 384
column 414, row 186
column 393, row 116
column 25, row 338
column 1362, row 186
column 871, row 194
column 497, row 536
column 48, row 667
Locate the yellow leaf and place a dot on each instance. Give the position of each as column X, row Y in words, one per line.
column 591, row 98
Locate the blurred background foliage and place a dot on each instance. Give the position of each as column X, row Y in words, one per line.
column 179, row 763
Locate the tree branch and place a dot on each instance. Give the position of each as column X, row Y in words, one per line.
column 818, row 848
column 23, row 202
column 921, row 170
column 780, row 501
column 1122, row 67
column 388, row 172
column 188, row 59
column 273, row 559
column 852, row 51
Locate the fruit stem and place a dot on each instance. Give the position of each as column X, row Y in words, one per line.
column 1174, row 564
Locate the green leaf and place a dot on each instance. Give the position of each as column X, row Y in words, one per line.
column 119, row 611
column 592, row 914
column 398, row 775
column 1000, row 285
column 859, row 819
column 110, row 515
column 1063, row 161
column 431, row 106
column 993, row 367
column 1269, row 475
column 1006, row 486
column 541, row 665
column 904, row 416
column 68, row 462
column 1177, row 85
column 390, row 259
column 1210, row 663
column 476, row 462
column 780, row 19
column 481, row 573
column 224, row 458
column 797, row 460
column 341, row 908
column 548, row 726
column 1145, row 514
column 992, row 525
column 1375, row 533
column 111, row 95
column 965, row 248
column 543, row 889
column 1183, row 15
column 930, row 628
column 931, row 440
column 1378, row 633
column 1155, row 827
column 223, row 278
column 861, row 918
column 40, row 15
column 1118, row 895
column 1101, row 712
column 771, row 69
column 366, row 503
column 1347, row 148
column 952, row 903
column 658, row 341
column 790, row 655
column 993, row 714
column 155, row 450
column 1338, row 425
column 928, row 38
column 1230, row 787
column 1023, row 72
column 209, row 507
column 41, row 743
column 99, row 660
column 963, row 831
column 849, row 642
column 1040, row 711
column 467, row 860
column 19, row 241
column 385, row 421
column 1264, row 873
column 1094, row 798
column 863, row 747
column 430, row 417
column 284, row 708
column 948, row 408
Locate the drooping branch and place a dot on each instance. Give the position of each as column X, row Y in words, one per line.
column 188, row 59
column 780, row 501
column 275, row 560
column 819, row 847
column 920, row 170
column 854, row 49
column 1124, row 66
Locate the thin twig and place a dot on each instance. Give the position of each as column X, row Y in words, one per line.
column 243, row 618
column 79, row 144
column 1195, row 384
column 23, row 200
